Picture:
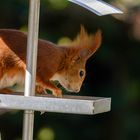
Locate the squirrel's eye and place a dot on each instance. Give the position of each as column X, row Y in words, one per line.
column 82, row 73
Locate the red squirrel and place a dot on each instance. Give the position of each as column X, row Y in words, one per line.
column 65, row 64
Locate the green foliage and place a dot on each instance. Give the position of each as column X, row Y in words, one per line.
column 58, row 4
column 46, row 134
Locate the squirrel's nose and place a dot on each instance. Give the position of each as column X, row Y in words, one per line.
column 77, row 90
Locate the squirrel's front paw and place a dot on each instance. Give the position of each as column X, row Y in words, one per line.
column 57, row 93
column 40, row 90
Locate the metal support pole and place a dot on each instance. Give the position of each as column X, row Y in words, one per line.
column 30, row 78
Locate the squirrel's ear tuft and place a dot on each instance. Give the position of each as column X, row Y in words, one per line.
column 83, row 33
column 81, row 38
column 96, row 42
column 88, row 43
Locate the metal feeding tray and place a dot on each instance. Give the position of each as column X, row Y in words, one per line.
column 48, row 103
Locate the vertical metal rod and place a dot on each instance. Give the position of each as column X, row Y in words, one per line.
column 30, row 78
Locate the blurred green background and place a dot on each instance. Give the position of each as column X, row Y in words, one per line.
column 114, row 71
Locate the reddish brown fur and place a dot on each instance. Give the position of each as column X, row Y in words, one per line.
column 52, row 59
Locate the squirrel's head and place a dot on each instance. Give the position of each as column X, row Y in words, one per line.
column 83, row 47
